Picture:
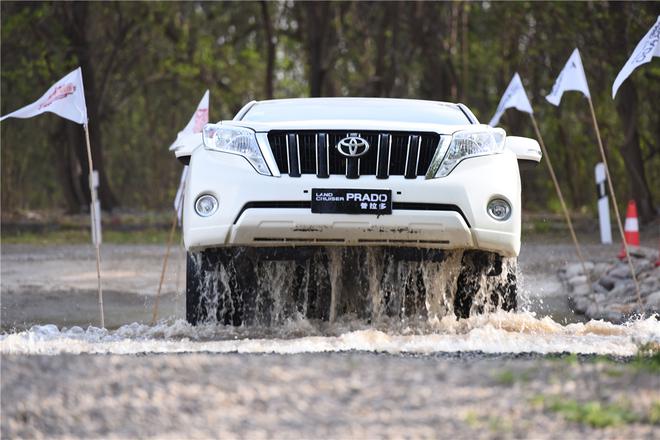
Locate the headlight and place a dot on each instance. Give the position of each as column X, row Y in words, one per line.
column 466, row 144
column 235, row 140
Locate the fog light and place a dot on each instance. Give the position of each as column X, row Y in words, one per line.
column 206, row 205
column 499, row 209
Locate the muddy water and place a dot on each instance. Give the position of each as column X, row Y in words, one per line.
column 499, row 332
column 536, row 327
column 242, row 286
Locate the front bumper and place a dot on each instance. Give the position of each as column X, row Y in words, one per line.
column 445, row 213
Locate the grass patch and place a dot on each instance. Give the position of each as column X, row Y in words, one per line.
column 613, row 372
column 541, row 226
column 592, row 413
column 648, row 358
column 493, row 423
column 472, row 419
column 508, row 377
column 505, row 378
column 654, row 413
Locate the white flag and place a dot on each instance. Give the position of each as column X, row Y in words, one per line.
column 514, row 97
column 198, row 120
column 178, row 199
column 66, row 98
column 195, row 125
column 647, row 48
column 572, row 77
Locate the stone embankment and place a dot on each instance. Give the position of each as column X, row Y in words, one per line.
column 608, row 292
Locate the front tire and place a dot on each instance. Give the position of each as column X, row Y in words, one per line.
column 487, row 282
column 220, row 286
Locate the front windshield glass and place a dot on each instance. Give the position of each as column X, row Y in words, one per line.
column 396, row 110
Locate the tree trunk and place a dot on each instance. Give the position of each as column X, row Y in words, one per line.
column 626, row 106
column 270, row 50
column 316, row 27
column 81, row 47
column 68, row 165
column 464, row 51
column 315, row 50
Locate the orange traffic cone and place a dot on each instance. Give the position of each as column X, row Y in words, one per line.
column 631, row 229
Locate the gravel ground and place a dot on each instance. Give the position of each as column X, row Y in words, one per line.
column 340, row 395
column 337, row 395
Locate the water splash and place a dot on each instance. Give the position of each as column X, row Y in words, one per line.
column 391, row 305
column 262, row 287
column 499, row 332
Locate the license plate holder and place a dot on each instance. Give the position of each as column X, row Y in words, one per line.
column 351, row 201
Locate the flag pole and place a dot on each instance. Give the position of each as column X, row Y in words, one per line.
column 162, row 272
column 561, row 198
column 93, row 215
column 614, row 202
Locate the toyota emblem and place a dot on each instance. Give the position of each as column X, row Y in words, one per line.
column 353, row 146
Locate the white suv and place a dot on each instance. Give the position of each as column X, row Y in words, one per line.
column 325, row 193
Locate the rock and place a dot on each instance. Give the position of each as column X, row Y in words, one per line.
column 598, row 288
column 653, row 302
column 578, row 279
column 599, row 297
column 594, row 311
column 612, row 316
column 607, row 282
column 620, row 271
column 623, row 288
column 600, row 269
column 643, row 252
column 642, row 266
column 649, row 285
column 653, row 274
column 571, row 270
column 608, row 291
column 581, row 304
column 581, row 289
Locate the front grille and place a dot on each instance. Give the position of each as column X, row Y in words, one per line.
column 390, row 154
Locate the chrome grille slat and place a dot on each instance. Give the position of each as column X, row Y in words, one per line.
column 413, row 157
column 294, row 159
column 322, row 155
column 419, row 150
column 352, row 163
column 384, row 146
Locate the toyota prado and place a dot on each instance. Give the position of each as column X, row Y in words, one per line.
column 322, row 206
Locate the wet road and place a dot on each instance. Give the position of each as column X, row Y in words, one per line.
column 57, row 284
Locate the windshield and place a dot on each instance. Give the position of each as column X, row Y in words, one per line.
column 381, row 109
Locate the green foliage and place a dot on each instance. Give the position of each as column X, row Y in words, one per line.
column 505, row 377
column 508, row 377
column 592, row 413
column 153, row 61
column 654, row 413
column 648, row 358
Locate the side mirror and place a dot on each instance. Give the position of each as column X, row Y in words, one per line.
column 525, row 148
column 185, row 145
